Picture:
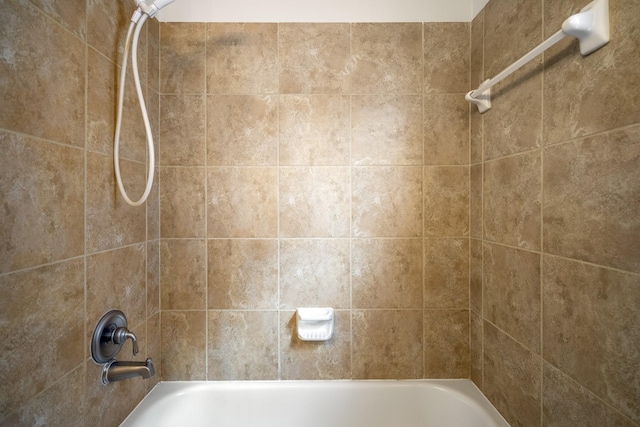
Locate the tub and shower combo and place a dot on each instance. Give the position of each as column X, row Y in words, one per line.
column 371, row 403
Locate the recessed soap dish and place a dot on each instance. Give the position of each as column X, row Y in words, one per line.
column 315, row 324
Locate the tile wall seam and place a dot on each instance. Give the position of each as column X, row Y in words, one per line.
column 206, row 198
column 592, row 135
column 47, row 264
column 41, row 139
column 85, row 314
column 541, row 265
column 519, row 153
column 52, row 19
column 278, row 229
column 535, row 353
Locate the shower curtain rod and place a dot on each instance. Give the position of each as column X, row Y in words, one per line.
column 590, row 26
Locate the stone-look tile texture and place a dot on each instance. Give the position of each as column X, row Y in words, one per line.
column 314, row 130
column 314, row 273
column 315, row 162
column 446, row 344
column 184, row 341
column 183, row 274
column 387, row 344
column 511, row 293
column 243, row 345
column 386, row 273
column 70, row 247
column 242, row 274
column 555, row 208
column 582, row 305
column 314, row 58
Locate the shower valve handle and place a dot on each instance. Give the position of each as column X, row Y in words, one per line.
column 121, row 334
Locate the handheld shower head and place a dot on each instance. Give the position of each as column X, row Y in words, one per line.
column 153, row 8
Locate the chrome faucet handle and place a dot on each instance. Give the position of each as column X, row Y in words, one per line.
column 121, row 334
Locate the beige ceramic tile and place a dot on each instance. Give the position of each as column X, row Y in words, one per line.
column 387, row 344
column 512, row 28
column 111, row 222
column 101, row 102
column 109, row 405
column 184, row 342
column 71, row 14
column 182, row 202
column 446, row 57
column 386, row 130
column 153, row 208
column 314, row 58
column 182, row 57
column 508, row 127
column 315, row 360
column 512, row 200
column 182, row 130
column 314, row 130
column 314, row 273
column 107, row 26
column 446, row 201
column 475, row 201
column 153, row 55
column 475, row 349
column 586, row 95
column 116, row 280
column 59, row 406
column 512, row 376
column 446, row 129
column 511, row 293
column 592, row 199
column 40, row 57
column 387, row 201
column 476, row 65
column 243, row 274
column 387, row 58
column 153, row 278
column 41, row 188
column 243, row 345
column 566, row 403
column 242, row 130
column 314, row 201
column 591, row 329
column 242, row 58
column 476, row 134
column 242, row 202
column 43, row 330
column 446, row 273
column 387, row 273
column 446, row 344
column 183, row 274
column 475, row 279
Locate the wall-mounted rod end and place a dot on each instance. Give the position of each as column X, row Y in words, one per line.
column 590, row 26
column 482, row 99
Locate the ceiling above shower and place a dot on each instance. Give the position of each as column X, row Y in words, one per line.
column 322, row 10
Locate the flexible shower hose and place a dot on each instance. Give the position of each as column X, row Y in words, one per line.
column 143, row 109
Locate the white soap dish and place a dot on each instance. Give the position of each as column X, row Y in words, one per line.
column 315, row 324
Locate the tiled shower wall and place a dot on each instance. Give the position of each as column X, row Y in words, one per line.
column 555, row 220
column 70, row 248
column 314, row 165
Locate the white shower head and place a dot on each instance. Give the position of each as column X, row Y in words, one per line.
column 153, row 8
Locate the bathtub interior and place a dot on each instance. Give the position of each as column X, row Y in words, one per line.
column 410, row 403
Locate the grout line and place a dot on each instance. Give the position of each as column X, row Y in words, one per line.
column 206, row 216
column 541, row 278
column 278, row 233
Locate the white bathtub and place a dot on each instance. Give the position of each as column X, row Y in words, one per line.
column 423, row 403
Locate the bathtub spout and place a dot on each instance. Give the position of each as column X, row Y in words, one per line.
column 118, row 371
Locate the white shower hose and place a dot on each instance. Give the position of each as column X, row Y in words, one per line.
column 143, row 108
